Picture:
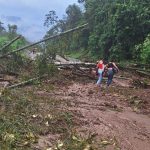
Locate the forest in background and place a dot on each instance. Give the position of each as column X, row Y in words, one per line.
column 117, row 30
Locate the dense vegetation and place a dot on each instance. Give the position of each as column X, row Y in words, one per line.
column 17, row 60
column 7, row 36
column 116, row 30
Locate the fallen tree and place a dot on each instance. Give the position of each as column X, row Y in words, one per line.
column 7, row 45
column 143, row 73
column 140, row 71
column 24, row 82
column 46, row 39
column 84, row 73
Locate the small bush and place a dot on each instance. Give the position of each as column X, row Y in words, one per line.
column 145, row 53
column 43, row 66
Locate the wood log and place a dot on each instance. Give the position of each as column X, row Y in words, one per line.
column 9, row 73
column 15, row 39
column 75, row 64
column 143, row 73
column 64, row 57
column 137, row 69
column 46, row 39
column 134, row 69
column 24, row 82
column 124, row 78
column 141, row 65
column 84, row 75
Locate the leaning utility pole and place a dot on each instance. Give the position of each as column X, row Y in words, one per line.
column 46, row 39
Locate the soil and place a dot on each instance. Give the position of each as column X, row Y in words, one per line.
column 119, row 113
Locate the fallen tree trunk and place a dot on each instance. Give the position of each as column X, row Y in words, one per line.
column 9, row 73
column 141, row 65
column 46, row 39
column 143, row 73
column 24, row 83
column 76, row 64
column 84, row 75
column 138, row 70
column 87, row 74
column 124, row 78
column 135, row 69
column 15, row 39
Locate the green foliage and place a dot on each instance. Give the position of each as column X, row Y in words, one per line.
column 23, row 119
column 3, row 41
column 51, row 18
column 6, row 37
column 145, row 50
column 18, row 44
column 114, row 28
column 116, row 24
column 74, row 15
column 16, row 61
column 72, row 41
column 44, row 67
column 14, row 130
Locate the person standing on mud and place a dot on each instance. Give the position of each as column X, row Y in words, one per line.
column 111, row 70
column 100, row 69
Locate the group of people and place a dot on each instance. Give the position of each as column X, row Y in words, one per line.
column 106, row 69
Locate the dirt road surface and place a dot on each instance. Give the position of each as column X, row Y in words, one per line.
column 116, row 113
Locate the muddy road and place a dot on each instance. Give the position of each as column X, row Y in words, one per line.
column 118, row 115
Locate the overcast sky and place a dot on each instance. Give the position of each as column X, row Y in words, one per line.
column 29, row 15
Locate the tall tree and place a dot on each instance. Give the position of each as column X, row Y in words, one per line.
column 74, row 15
column 116, row 26
column 51, row 18
column 72, row 19
column 12, row 31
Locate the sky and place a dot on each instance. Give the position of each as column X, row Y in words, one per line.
column 29, row 15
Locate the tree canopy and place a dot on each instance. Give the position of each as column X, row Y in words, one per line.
column 115, row 28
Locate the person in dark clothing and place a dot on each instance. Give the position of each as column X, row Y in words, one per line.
column 111, row 70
